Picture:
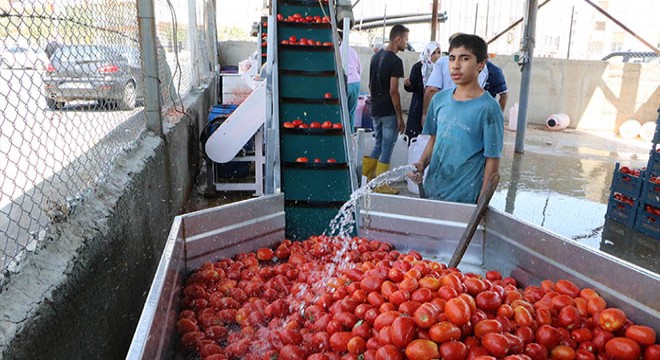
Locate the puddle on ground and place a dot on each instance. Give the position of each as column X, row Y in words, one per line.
column 568, row 195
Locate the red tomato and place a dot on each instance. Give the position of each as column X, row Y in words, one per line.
column 453, row 350
column 547, row 336
column 356, row 345
column 326, row 125
column 536, row 351
column 652, row 352
column 315, row 125
column 421, row 349
column 293, row 39
column 569, row 317
column 291, row 352
column 562, row 352
column 488, row 300
column 388, row 352
column 493, row 275
column 186, row 325
column 339, row 341
column 484, row 327
column 409, row 307
column 371, row 283
column 426, row 315
column 612, row 319
column 385, row 319
column 402, row 331
column 288, row 125
column 457, row 311
column 622, row 348
column 301, row 159
column 567, row 287
column 336, row 126
column 496, row 344
column 642, row 334
column 444, row 331
column 327, row 95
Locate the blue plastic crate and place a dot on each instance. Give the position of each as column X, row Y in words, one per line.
column 620, row 211
column 647, row 221
column 650, row 193
column 626, row 184
column 653, row 167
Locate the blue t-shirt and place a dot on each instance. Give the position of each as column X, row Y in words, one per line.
column 466, row 133
column 495, row 84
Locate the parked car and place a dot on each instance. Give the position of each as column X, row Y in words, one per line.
column 22, row 57
column 94, row 72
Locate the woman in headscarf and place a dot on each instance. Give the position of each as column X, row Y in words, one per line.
column 419, row 74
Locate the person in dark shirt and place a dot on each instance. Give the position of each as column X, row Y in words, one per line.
column 419, row 74
column 385, row 70
column 496, row 84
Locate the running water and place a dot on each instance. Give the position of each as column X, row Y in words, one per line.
column 341, row 228
column 343, row 225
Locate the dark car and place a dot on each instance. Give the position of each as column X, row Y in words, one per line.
column 94, row 72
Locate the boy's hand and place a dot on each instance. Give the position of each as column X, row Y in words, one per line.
column 417, row 176
column 406, row 82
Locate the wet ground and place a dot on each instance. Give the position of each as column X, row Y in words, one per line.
column 561, row 182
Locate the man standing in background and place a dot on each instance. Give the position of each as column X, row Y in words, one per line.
column 385, row 70
column 496, row 84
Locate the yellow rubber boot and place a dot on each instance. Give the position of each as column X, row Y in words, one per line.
column 369, row 167
column 384, row 188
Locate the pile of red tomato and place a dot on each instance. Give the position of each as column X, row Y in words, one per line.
column 299, row 124
column 382, row 304
column 299, row 18
column 624, row 199
column 293, row 40
column 629, row 171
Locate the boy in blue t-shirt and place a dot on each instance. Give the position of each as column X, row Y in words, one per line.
column 466, row 129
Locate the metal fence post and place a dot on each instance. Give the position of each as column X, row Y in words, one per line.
column 194, row 48
column 152, row 98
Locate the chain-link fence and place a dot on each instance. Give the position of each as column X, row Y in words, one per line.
column 71, row 100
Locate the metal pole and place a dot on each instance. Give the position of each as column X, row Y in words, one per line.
column 384, row 20
column 152, row 101
column 476, row 15
column 194, row 56
column 570, row 33
column 528, row 54
column 434, row 20
column 346, row 26
column 487, row 19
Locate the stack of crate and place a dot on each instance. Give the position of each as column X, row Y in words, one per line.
column 635, row 195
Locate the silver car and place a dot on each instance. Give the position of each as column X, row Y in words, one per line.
column 94, row 72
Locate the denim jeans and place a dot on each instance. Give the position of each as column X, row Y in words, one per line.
column 386, row 134
column 353, row 94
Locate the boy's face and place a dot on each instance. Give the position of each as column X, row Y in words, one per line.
column 463, row 66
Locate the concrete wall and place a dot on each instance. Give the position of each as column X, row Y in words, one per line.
column 81, row 295
column 595, row 94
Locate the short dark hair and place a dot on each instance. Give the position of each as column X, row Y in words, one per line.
column 472, row 43
column 398, row 30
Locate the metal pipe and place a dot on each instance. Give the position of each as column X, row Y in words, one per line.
column 149, row 50
column 403, row 21
column 434, row 20
column 476, row 16
column 655, row 49
column 570, row 33
column 528, row 51
column 514, row 24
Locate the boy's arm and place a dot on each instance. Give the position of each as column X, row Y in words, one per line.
column 423, row 161
column 491, row 167
column 396, row 101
